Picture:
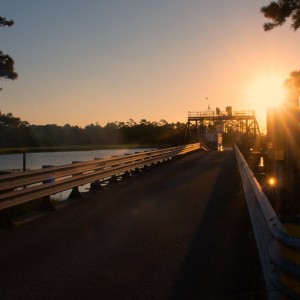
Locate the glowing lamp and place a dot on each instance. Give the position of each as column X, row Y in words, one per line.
column 272, row 181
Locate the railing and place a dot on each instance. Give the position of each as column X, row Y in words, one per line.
column 22, row 187
column 212, row 113
column 279, row 251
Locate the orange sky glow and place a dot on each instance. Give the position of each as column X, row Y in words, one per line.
column 141, row 60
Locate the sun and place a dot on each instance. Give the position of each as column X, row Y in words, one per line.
column 267, row 91
column 263, row 92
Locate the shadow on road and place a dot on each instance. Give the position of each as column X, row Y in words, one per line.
column 219, row 261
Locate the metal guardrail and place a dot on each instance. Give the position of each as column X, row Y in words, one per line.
column 278, row 250
column 22, row 187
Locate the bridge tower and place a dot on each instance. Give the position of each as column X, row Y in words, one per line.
column 242, row 124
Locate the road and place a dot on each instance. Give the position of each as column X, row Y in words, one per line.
column 180, row 231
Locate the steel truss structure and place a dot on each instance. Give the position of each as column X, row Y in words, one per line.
column 242, row 123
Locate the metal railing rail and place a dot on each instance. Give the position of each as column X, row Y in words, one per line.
column 24, row 178
column 18, row 188
column 212, row 113
column 280, row 269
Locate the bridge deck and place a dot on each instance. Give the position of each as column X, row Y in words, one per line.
column 177, row 232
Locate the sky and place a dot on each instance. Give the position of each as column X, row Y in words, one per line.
column 86, row 61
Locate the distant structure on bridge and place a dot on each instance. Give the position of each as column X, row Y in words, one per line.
column 208, row 126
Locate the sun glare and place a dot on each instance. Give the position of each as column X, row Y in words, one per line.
column 264, row 92
column 267, row 91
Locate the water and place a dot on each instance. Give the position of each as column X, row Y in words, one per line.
column 37, row 160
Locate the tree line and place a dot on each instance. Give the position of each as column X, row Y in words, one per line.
column 16, row 133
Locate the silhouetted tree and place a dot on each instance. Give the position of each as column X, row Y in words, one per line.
column 279, row 11
column 8, row 120
column 17, row 133
column 6, row 62
column 293, row 82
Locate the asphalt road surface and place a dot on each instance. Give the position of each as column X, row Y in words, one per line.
column 177, row 232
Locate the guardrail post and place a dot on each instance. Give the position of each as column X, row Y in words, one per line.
column 136, row 171
column 96, row 186
column 46, row 204
column 146, row 168
column 156, row 165
column 75, row 194
column 126, row 175
column 113, row 179
column 167, row 160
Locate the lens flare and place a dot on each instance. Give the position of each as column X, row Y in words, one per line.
column 272, row 181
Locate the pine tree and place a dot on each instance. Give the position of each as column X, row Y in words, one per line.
column 279, row 11
column 6, row 62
